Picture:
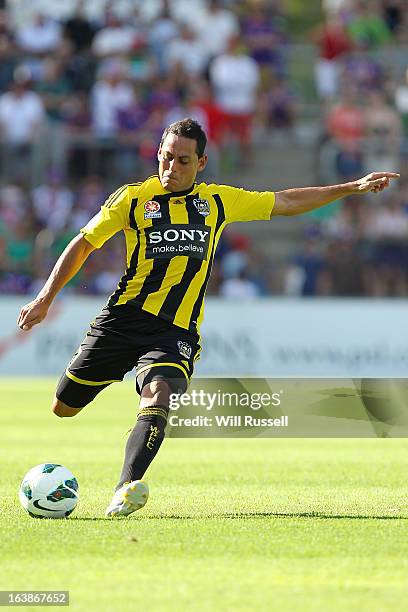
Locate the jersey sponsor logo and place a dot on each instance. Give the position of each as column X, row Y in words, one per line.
column 184, row 349
column 202, row 206
column 167, row 241
column 152, row 209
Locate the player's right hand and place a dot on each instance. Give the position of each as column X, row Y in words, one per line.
column 31, row 314
column 375, row 181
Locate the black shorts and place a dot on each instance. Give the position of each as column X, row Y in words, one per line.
column 121, row 338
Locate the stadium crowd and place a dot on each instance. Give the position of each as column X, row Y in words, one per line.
column 84, row 100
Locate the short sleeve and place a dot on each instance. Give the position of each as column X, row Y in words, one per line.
column 243, row 205
column 113, row 217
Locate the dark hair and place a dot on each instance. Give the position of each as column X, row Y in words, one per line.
column 188, row 128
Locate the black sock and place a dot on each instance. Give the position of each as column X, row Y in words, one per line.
column 143, row 443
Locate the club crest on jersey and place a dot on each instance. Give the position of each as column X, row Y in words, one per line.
column 202, row 206
column 152, row 209
column 184, row 349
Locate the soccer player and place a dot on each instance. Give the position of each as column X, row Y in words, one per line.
column 172, row 225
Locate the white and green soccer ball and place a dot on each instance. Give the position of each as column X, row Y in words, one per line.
column 49, row 490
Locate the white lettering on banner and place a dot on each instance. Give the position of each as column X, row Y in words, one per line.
column 268, row 338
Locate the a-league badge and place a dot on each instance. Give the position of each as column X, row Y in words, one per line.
column 202, row 206
column 184, row 349
column 152, row 209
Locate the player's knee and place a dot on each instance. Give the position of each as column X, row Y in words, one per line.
column 155, row 392
column 157, row 387
column 62, row 410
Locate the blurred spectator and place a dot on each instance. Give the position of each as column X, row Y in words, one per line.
column 7, row 63
column 333, row 43
column 78, row 69
column 21, row 111
column 278, row 105
column 239, row 288
column 106, row 281
column 367, row 28
column 20, row 245
column 201, row 96
column 91, row 195
column 13, row 205
column 187, row 52
column 348, row 223
column 306, row 267
column 187, row 108
column 264, row 38
column 140, row 11
column 216, row 27
column 8, row 59
column 16, row 275
column 162, row 95
column 132, row 118
column 77, row 115
column 17, row 231
column 235, row 78
column 387, row 227
column 393, row 13
column 344, row 273
column 5, row 27
column 339, row 8
column 40, row 36
column 233, row 263
column 349, row 160
column 362, row 72
column 142, row 66
column 115, row 38
column 389, row 222
column 233, row 253
column 188, row 11
column 383, row 133
column 132, row 123
column 79, row 29
column 21, row 120
column 53, row 202
column 345, row 121
column 53, row 88
column 293, row 280
column 401, row 101
column 242, row 270
column 163, row 30
column 111, row 93
column 402, row 195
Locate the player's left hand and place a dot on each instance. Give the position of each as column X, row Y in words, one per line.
column 376, row 181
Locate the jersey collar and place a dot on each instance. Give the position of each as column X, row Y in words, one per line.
column 179, row 194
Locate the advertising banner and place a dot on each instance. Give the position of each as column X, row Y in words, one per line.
column 266, row 338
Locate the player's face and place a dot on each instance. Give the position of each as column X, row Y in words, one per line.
column 179, row 162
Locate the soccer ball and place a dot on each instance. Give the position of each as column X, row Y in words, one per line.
column 49, row 490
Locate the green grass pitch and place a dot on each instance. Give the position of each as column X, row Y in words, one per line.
column 230, row 524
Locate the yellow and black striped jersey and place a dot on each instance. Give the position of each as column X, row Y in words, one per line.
column 170, row 241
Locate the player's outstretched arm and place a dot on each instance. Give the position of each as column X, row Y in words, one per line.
column 66, row 267
column 297, row 201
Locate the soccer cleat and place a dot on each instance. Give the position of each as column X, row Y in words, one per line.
column 130, row 497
